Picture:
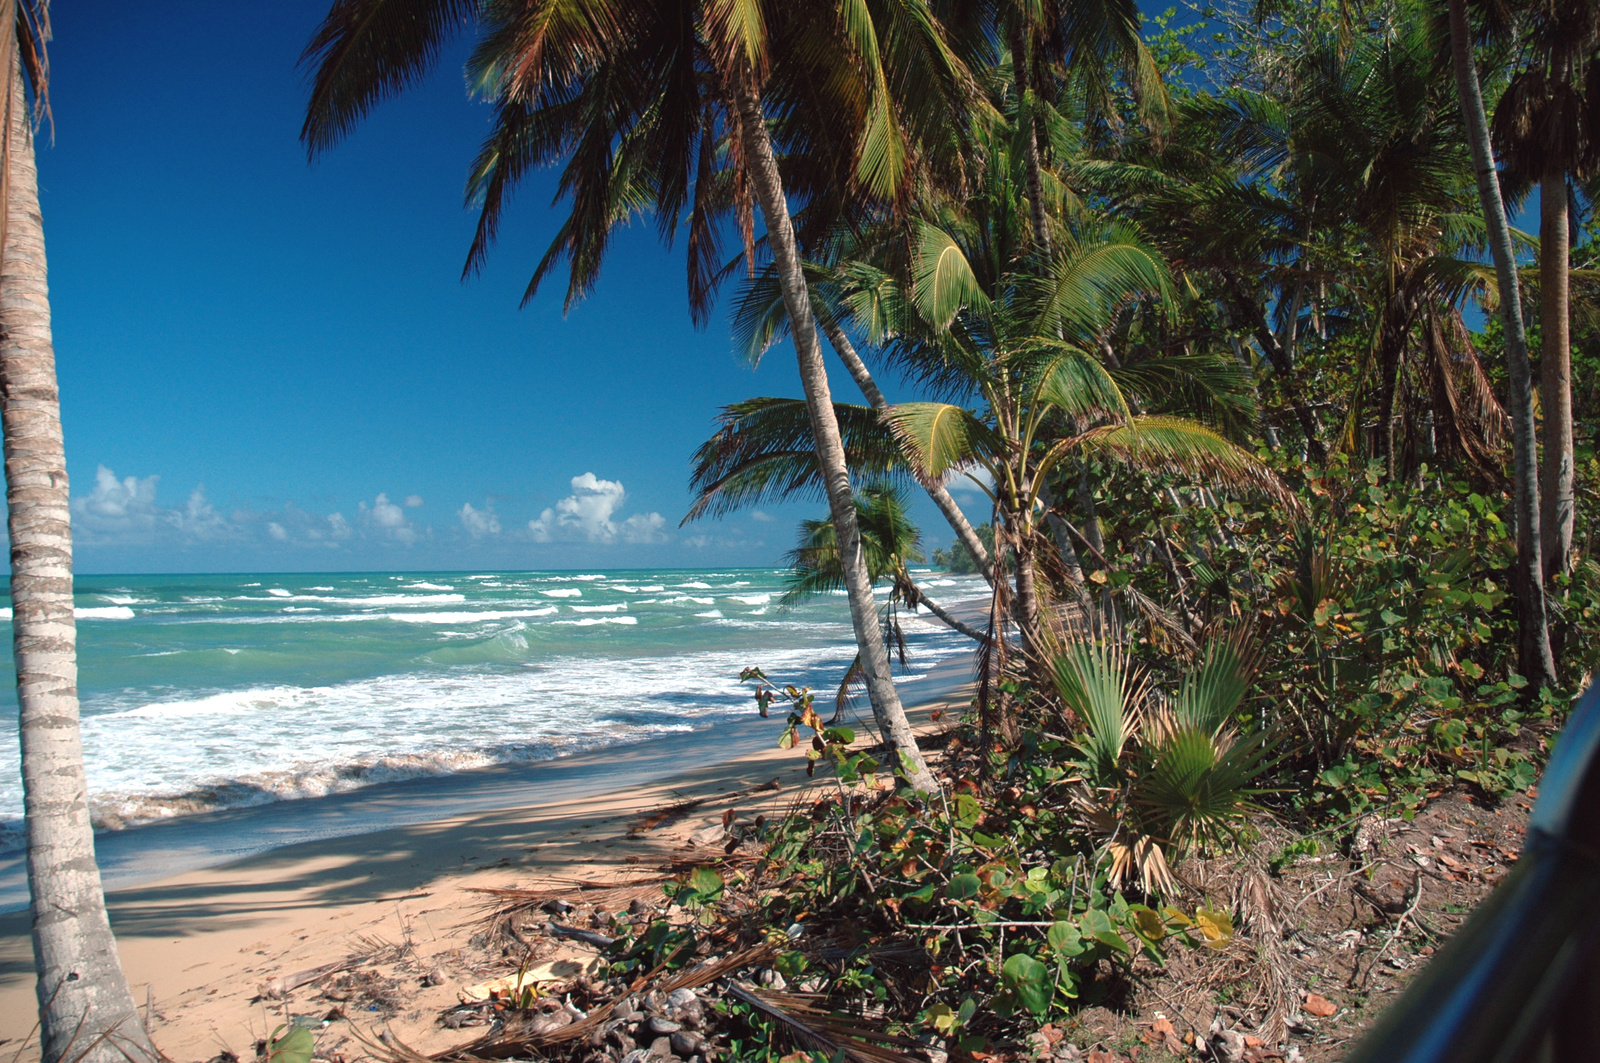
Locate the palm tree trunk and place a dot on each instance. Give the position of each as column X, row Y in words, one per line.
column 1555, row 374
column 1535, row 660
column 950, row 620
column 1278, row 358
column 768, row 187
column 1030, row 141
column 941, row 497
column 85, row 1008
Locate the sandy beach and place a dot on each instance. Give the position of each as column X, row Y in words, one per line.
column 197, row 946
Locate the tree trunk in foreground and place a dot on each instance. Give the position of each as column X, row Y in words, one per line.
column 1555, row 374
column 768, row 186
column 940, row 495
column 85, row 1009
column 1535, row 660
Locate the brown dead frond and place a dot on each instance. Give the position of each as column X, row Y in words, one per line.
column 817, row 1030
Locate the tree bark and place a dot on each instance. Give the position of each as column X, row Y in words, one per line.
column 1278, row 358
column 85, row 1009
column 1555, row 374
column 1030, row 141
column 767, row 184
column 941, row 496
column 950, row 620
column 1535, row 660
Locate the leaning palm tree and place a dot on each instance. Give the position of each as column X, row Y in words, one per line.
column 1548, row 128
column 891, row 544
column 85, row 1009
column 668, row 107
column 1535, row 660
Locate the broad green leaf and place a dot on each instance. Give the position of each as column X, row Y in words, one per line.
column 1063, row 937
column 963, row 886
column 1150, row 925
column 296, row 1046
column 705, row 881
column 1030, row 980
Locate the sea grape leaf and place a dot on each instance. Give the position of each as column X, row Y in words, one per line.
column 1030, row 981
column 1096, row 924
column 1063, row 938
column 963, row 886
column 296, row 1046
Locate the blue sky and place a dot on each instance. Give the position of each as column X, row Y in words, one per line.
column 270, row 365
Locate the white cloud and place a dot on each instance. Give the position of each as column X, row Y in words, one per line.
column 389, row 519
column 644, row 528
column 586, row 514
column 764, row 518
column 479, row 522
column 972, row 482
column 275, row 530
column 126, row 511
column 338, row 527
column 413, row 501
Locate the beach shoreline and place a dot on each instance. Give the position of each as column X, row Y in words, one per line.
column 197, row 941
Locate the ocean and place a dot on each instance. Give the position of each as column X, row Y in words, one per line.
column 207, row 693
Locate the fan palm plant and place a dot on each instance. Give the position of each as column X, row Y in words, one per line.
column 1162, row 776
column 85, row 1009
column 673, row 106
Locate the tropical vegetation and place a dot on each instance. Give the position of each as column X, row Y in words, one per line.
column 1280, row 431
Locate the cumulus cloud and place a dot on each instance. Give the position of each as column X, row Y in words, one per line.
column 587, row 513
column 764, row 518
column 479, row 522
column 389, row 519
column 413, row 501
column 126, row 510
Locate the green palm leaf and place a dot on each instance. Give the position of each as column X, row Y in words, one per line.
column 1212, row 693
column 1097, row 681
column 939, row 437
column 764, row 452
column 943, row 281
column 1176, row 446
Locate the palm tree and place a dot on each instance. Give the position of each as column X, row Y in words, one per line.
column 1547, row 126
column 85, row 1009
column 891, row 543
column 664, row 106
column 1535, row 659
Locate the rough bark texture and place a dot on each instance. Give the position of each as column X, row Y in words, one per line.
column 1030, row 143
column 767, row 184
column 1555, row 374
column 1536, row 662
column 85, row 1009
column 941, row 497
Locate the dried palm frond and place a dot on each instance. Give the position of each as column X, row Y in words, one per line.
column 812, row 1028
column 1141, row 859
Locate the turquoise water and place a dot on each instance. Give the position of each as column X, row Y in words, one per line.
column 207, row 692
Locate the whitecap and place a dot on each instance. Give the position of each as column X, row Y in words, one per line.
column 427, row 587
column 278, row 592
column 750, row 599
column 694, row 585
column 563, row 592
column 617, row 608
column 715, row 614
column 108, row 612
column 590, row 621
